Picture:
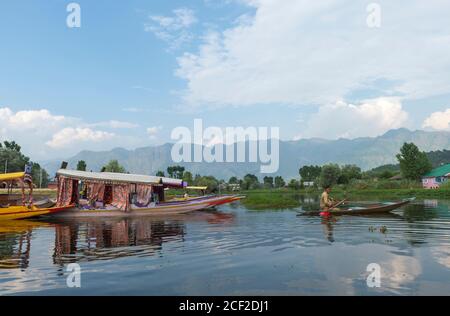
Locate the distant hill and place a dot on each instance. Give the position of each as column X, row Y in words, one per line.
column 440, row 157
column 366, row 152
column 390, row 168
column 437, row 158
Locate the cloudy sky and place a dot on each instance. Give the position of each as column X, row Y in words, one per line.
column 137, row 69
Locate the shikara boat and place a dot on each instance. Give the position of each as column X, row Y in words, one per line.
column 22, row 212
column 377, row 208
column 124, row 195
column 29, row 208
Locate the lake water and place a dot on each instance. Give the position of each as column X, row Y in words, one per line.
column 232, row 251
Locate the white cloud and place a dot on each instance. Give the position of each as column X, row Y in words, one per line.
column 399, row 271
column 173, row 29
column 42, row 134
column 134, row 110
column 116, row 124
column 26, row 120
column 442, row 254
column 153, row 131
column 31, row 128
column 317, row 52
column 438, row 121
column 69, row 136
column 371, row 118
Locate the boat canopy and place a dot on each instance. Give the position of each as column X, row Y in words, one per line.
column 12, row 176
column 119, row 178
column 23, row 179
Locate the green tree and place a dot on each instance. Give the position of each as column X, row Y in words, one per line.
column 170, row 171
column 413, row 162
column 81, row 165
column 197, row 179
column 40, row 176
column 250, row 182
column 208, row 181
column 187, row 177
column 113, row 166
column 279, row 182
column 11, row 159
column 386, row 174
column 12, row 146
column 294, row 184
column 268, row 182
column 160, row 174
column 330, row 175
column 233, row 180
column 310, row 173
column 348, row 173
column 175, row 172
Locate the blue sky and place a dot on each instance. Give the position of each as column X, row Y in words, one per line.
column 135, row 70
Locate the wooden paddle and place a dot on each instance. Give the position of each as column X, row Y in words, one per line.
column 337, row 204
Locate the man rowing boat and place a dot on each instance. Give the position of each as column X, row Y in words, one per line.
column 327, row 203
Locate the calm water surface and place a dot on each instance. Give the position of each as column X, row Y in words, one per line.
column 232, row 251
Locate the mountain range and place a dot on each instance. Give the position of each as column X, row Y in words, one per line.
column 366, row 152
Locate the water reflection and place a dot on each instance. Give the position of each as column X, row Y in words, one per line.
column 15, row 243
column 82, row 240
column 87, row 241
column 418, row 223
column 233, row 251
column 328, row 227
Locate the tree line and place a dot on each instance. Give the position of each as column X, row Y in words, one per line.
column 13, row 160
column 413, row 164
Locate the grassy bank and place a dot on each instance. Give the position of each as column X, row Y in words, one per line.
column 261, row 199
column 400, row 193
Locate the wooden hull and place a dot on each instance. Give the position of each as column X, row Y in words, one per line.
column 369, row 210
column 169, row 208
column 22, row 212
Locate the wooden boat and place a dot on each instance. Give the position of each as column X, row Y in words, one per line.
column 169, row 208
column 214, row 200
column 28, row 209
column 124, row 195
column 378, row 208
column 22, row 212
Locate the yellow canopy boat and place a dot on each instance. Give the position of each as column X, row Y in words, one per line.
column 28, row 209
column 21, row 212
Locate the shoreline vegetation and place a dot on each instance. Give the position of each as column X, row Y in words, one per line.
column 285, row 198
column 288, row 198
column 388, row 182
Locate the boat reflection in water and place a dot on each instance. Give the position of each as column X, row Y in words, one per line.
column 15, row 243
column 89, row 240
column 85, row 240
column 234, row 251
